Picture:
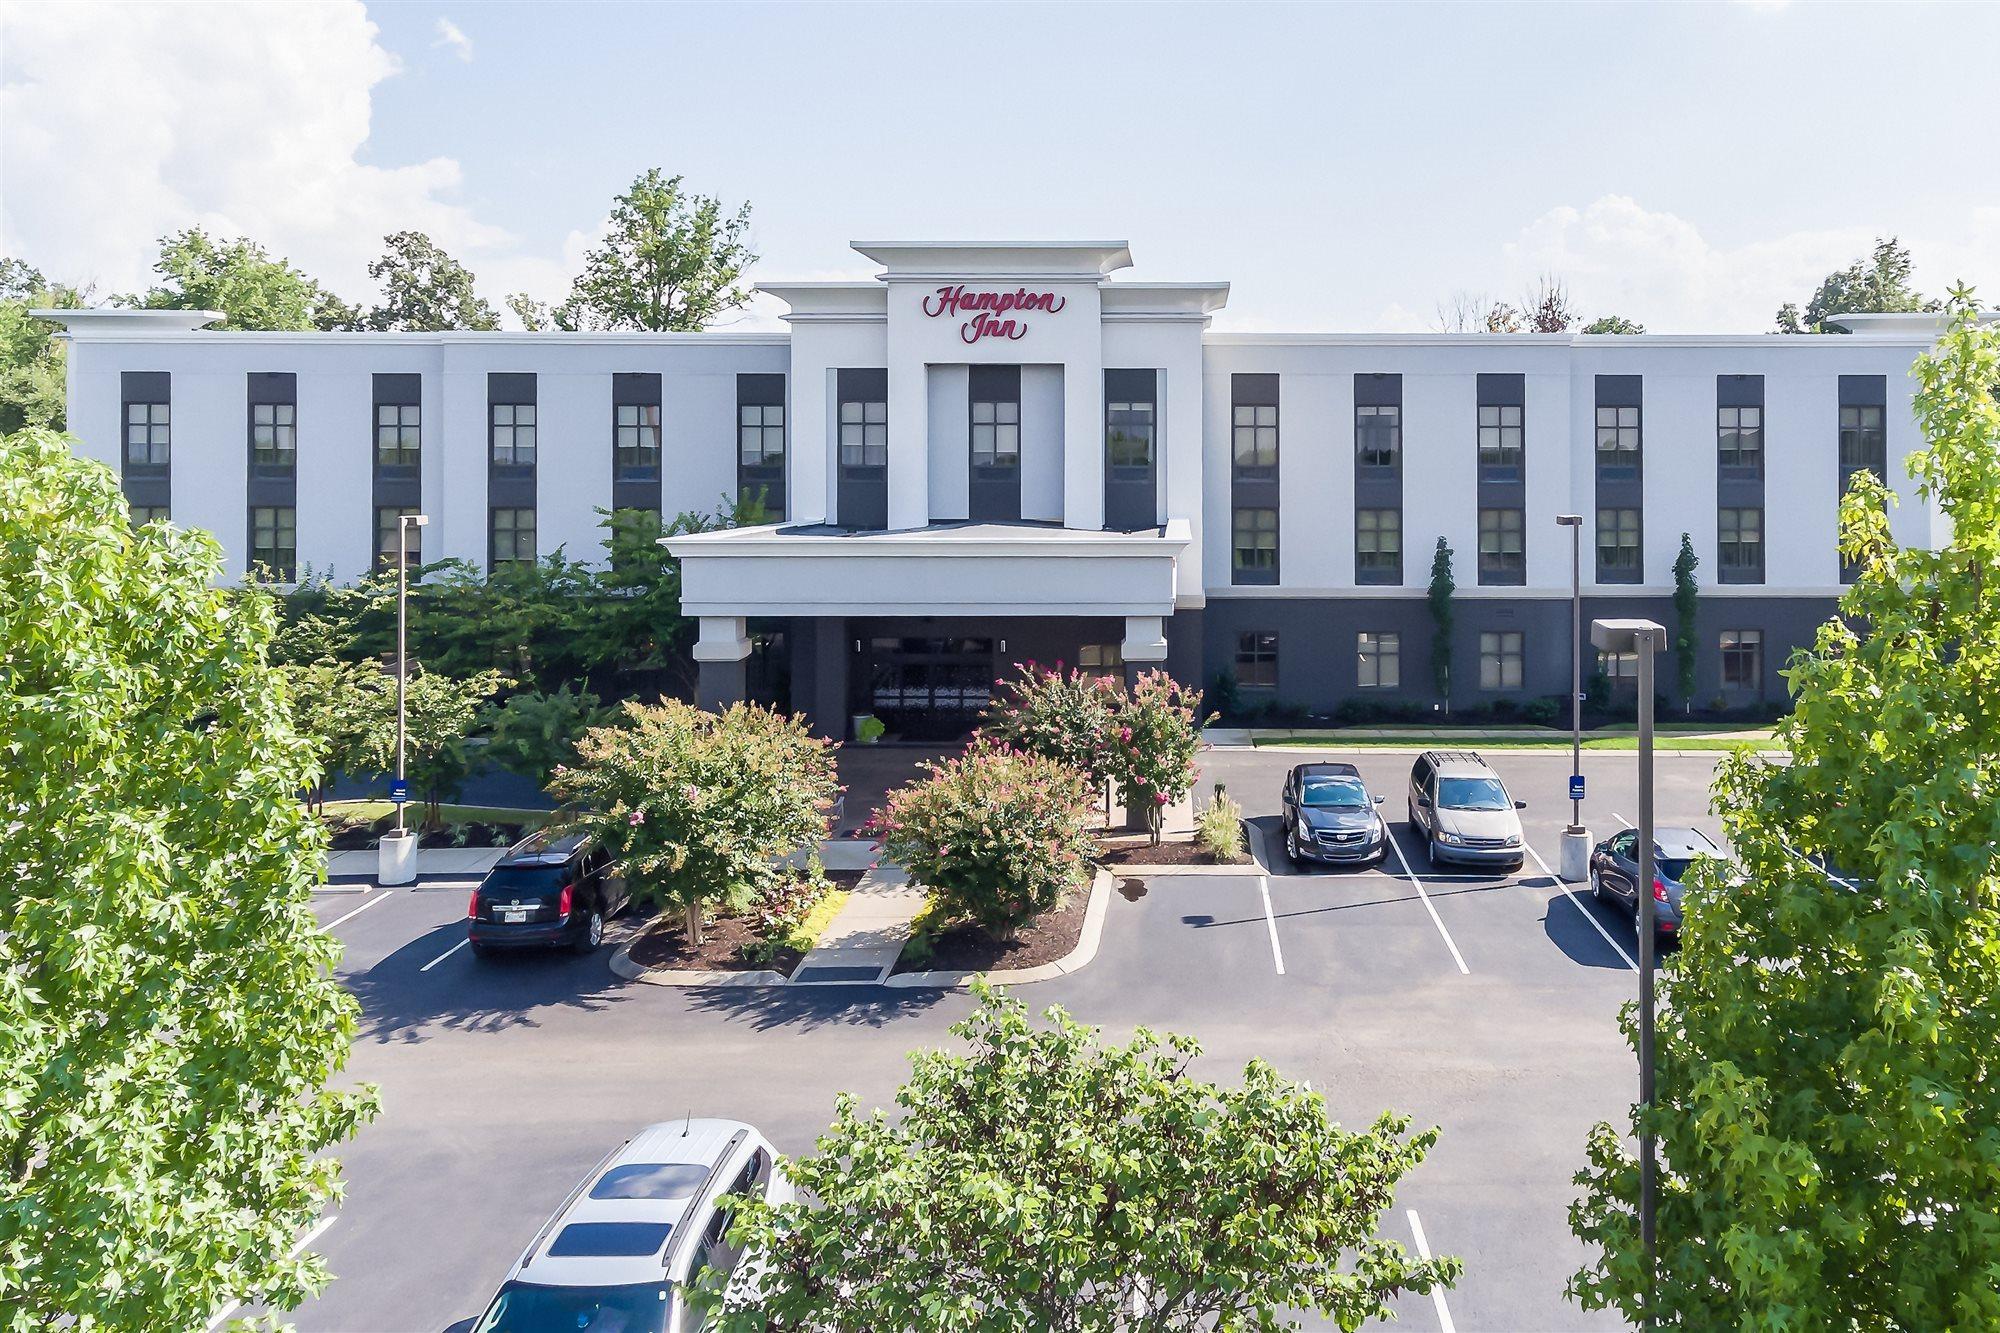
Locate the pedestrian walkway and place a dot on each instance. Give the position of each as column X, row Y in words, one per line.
column 862, row 943
column 430, row 861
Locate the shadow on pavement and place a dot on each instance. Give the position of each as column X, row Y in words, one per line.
column 400, row 1002
column 1568, row 929
column 805, row 1008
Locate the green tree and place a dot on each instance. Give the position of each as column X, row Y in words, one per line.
column 696, row 806
column 1828, row 1105
column 1438, row 599
column 1042, row 1179
column 673, row 261
column 1067, row 716
column 535, row 316
column 1150, row 751
column 334, row 706
column 1879, row 284
column 534, row 734
column 1687, row 605
column 425, row 290
column 441, row 713
column 169, row 1018
column 1613, row 324
column 33, row 384
column 252, row 289
column 998, row 835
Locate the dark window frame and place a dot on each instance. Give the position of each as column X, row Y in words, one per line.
column 1257, row 571
column 1739, row 558
column 1378, row 439
column 1616, row 570
column 1256, row 658
column 1375, row 565
column 1501, row 647
column 385, row 537
column 1735, row 652
column 513, row 456
column 1376, row 649
column 1498, row 565
column 1503, row 434
column 1733, row 455
column 277, row 562
column 155, row 424
column 635, row 441
column 395, row 423
column 494, row 560
column 866, row 444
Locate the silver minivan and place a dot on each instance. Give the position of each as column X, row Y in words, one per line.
column 1463, row 811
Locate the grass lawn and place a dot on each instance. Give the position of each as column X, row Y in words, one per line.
column 367, row 812
column 1623, row 736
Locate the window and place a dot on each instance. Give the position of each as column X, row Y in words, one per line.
column 1618, row 542
column 387, row 520
column 864, row 434
column 1378, row 546
column 398, row 434
column 1742, row 659
column 1378, row 436
column 1501, row 558
column 274, row 541
column 513, row 536
column 1378, row 660
column 1739, row 437
column 1740, row 541
column 147, row 434
column 760, row 434
column 1861, row 438
column 1618, row 439
column 1101, row 659
column 1622, row 665
column 1257, row 660
column 144, row 514
column 1256, row 546
column 638, row 437
column 274, row 435
column 1500, row 659
column 1128, row 440
column 1500, row 441
column 514, row 434
column 996, row 434
column 1255, row 435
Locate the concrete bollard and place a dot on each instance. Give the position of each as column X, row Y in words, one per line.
column 1574, row 867
column 396, row 858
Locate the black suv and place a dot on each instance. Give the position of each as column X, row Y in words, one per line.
column 545, row 891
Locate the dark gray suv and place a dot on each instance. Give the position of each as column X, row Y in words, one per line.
column 1330, row 817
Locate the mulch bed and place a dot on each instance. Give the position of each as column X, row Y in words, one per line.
column 1165, row 854
column 967, row 948
column 362, row 837
column 664, row 944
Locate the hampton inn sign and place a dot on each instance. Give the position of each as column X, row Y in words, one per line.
column 986, row 309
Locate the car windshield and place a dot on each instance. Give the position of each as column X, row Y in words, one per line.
column 525, row 1307
column 1333, row 794
column 1473, row 794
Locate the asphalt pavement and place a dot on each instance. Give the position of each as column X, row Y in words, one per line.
column 1485, row 1005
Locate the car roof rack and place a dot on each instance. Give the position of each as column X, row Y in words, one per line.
column 679, row 1233
column 1457, row 756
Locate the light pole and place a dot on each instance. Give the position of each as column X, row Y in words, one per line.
column 1645, row 638
column 404, row 522
column 396, row 854
column 1575, row 863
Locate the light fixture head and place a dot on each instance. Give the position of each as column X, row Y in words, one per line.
column 417, row 520
column 1569, row 520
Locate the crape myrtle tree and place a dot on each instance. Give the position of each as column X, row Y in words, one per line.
column 1150, row 751
column 1039, row 1178
column 169, row 1019
column 1828, row 1104
column 696, row 807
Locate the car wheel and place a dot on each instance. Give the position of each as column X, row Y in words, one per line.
column 593, row 933
column 1597, row 887
column 1292, row 845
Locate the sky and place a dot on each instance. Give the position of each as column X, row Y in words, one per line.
column 1346, row 168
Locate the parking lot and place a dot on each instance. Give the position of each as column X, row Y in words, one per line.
column 1482, row 1004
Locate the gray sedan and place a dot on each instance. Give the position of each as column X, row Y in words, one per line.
column 1614, row 872
column 1331, row 818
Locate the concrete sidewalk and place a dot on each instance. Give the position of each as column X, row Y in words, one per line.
column 862, row 944
column 430, row 861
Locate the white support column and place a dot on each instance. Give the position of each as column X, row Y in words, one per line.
column 1145, row 639
column 723, row 639
column 721, row 657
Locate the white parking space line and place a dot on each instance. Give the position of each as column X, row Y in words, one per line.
column 1436, row 920
column 1588, row 915
column 446, row 954
column 1271, row 923
column 318, row 1230
column 385, row 894
column 1424, row 1253
column 1621, row 819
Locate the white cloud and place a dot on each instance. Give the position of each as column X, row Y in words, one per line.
column 1659, row 268
column 452, row 36
column 121, row 124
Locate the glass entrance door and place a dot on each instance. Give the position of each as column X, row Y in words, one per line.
column 929, row 689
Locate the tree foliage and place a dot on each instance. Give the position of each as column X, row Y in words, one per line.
column 672, row 262
column 1613, row 324
column 1878, row 284
column 1151, row 752
column 1828, row 1106
column 33, row 364
column 696, row 806
column 334, row 709
column 169, row 1020
column 252, row 289
column 535, row 733
column 424, row 290
column 441, row 713
column 1069, row 716
column 1687, row 606
column 998, row 835
column 1438, row 598
column 1041, row 1179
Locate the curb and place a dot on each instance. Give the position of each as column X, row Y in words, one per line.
column 1075, row 959
column 623, row 966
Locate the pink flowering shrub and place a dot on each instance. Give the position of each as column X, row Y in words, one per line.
column 1151, row 756
column 1065, row 716
column 997, row 834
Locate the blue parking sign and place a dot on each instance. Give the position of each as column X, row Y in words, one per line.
column 1576, row 786
column 399, row 790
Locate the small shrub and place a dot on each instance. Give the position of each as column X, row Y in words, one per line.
column 998, row 835
column 793, row 914
column 1218, row 828
column 1542, row 712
